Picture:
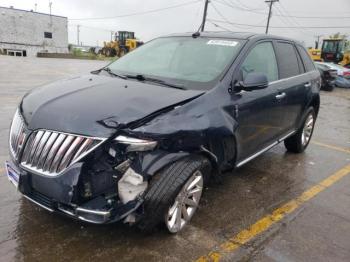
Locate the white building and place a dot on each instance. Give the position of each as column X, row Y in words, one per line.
column 27, row 33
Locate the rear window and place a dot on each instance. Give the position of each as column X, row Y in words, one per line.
column 308, row 63
column 287, row 60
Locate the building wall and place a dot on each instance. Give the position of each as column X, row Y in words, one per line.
column 24, row 30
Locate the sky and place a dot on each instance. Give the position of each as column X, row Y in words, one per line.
column 233, row 15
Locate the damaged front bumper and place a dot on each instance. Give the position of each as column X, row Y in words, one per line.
column 56, row 194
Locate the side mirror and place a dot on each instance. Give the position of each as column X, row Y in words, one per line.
column 253, row 81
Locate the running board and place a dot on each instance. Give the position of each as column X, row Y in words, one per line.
column 264, row 149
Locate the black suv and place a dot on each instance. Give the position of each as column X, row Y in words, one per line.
column 138, row 139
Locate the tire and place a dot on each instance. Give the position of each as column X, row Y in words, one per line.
column 165, row 187
column 122, row 52
column 301, row 139
column 328, row 87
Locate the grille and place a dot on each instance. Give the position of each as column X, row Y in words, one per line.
column 17, row 135
column 49, row 152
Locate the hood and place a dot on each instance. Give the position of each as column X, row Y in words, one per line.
column 80, row 105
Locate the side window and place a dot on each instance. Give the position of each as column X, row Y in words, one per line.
column 261, row 59
column 302, row 68
column 287, row 60
column 309, row 64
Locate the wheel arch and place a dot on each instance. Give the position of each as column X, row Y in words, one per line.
column 315, row 103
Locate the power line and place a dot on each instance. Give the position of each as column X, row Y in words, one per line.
column 90, row 27
column 224, row 18
column 291, row 22
column 223, row 2
column 219, row 26
column 140, row 13
column 249, row 25
column 219, row 13
column 247, row 7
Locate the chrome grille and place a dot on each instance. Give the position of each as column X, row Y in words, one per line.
column 17, row 135
column 49, row 152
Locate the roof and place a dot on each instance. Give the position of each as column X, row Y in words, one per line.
column 236, row 35
column 30, row 11
column 220, row 34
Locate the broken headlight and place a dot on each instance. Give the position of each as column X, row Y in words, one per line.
column 135, row 144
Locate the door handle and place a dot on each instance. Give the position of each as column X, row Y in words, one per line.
column 308, row 84
column 281, row 96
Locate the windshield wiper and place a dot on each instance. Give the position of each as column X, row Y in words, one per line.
column 109, row 71
column 156, row 80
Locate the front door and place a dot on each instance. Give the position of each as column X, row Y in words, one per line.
column 258, row 120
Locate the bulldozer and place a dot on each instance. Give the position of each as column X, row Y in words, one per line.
column 123, row 43
column 335, row 50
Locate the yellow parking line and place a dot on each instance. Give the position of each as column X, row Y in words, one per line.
column 266, row 222
column 341, row 149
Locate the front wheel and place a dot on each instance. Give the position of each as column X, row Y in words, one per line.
column 301, row 139
column 174, row 194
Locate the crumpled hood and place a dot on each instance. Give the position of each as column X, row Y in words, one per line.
column 79, row 105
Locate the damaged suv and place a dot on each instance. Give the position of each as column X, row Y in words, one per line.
column 138, row 139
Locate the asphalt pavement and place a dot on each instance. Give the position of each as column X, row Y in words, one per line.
column 278, row 207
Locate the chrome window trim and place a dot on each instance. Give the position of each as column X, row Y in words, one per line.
column 288, row 78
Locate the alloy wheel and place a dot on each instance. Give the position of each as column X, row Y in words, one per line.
column 186, row 203
column 307, row 130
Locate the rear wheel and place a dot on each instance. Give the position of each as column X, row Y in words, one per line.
column 301, row 139
column 328, row 87
column 174, row 194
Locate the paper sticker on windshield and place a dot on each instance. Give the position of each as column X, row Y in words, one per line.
column 222, row 42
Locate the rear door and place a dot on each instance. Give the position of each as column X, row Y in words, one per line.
column 292, row 85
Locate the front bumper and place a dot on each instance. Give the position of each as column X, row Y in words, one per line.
column 55, row 194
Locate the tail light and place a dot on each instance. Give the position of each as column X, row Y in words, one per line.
column 346, row 74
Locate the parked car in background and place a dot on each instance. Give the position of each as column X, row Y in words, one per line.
column 341, row 70
column 343, row 73
column 138, row 139
column 328, row 76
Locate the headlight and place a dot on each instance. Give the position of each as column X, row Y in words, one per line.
column 135, row 144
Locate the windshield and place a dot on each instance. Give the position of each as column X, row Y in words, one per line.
column 193, row 62
column 330, row 46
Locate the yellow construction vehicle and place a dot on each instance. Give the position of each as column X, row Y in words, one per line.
column 124, row 42
column 336, row 50
column 315, row 54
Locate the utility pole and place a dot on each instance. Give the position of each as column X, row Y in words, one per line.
column 78, row 32
column 35, row 7
column 50, row 5
column 317, row 43
column 204, row 15
column 111, row 36
column 269, row 17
